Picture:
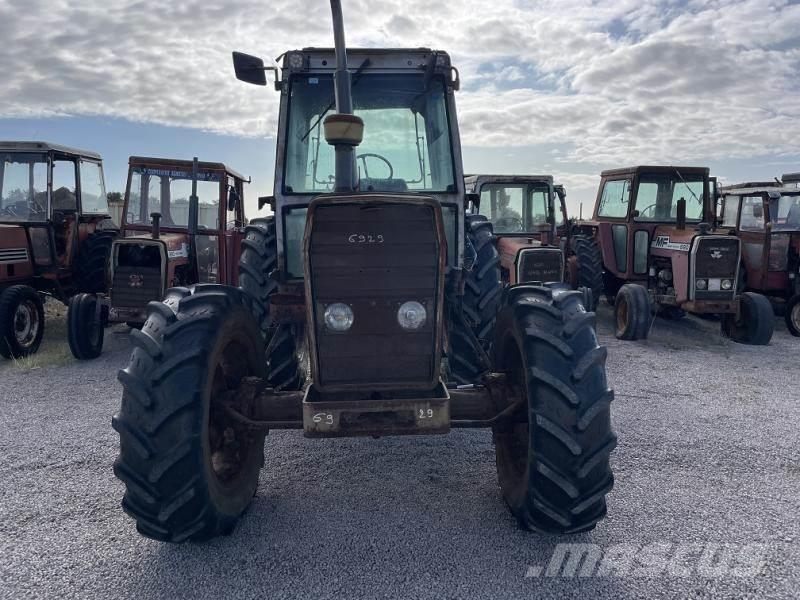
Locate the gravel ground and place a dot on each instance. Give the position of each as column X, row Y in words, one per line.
column 707, row 453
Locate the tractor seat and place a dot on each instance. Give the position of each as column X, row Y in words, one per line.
column 368, row 184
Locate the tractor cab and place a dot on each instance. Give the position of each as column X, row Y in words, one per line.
column 57, row 196
column 526, row 224
column 766, row 217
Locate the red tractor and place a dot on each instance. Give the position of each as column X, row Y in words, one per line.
column 662, row 256
column 766, row 217
column 527, row 215
column 360, row 274
column 182, row 224
column 55, row 235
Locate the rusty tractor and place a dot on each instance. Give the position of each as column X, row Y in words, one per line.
column 766, row 217
column 361, row 270
column 182, row 224
column 55, row 235
column 662, row 255
column 527, row 214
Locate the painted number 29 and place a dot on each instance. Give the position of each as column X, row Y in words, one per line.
column 425, row 413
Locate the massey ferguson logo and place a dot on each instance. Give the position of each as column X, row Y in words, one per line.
column 135, row 281
column 716, row 254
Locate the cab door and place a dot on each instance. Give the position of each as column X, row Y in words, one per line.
column 753, row 233
column 234, row 229
column 64, row 209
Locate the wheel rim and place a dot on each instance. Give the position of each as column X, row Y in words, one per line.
column 229, row 440
column 622, row 314
column 26, row 323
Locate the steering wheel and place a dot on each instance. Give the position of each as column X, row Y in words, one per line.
column 646, row 208
column 363, row 158
column 509, row 224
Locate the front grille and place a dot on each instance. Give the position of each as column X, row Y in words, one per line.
column 715, row 257
column 543, row 265
column 374, row 256
column 134, row 287
column 13, row 255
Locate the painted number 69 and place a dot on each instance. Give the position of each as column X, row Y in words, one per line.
column 326, row 418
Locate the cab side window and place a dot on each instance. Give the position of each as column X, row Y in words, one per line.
column 752, row 214
column 64, row 197
column 615, row 198
column 730, row 210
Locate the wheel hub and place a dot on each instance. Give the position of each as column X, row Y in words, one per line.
column 26, row 323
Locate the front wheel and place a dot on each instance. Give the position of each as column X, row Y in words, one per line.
column 553, row 451
column 85, row 321
column 21, row 321
column 792, row 315
column 755, row 323
column 189, row 468
column 632, row 312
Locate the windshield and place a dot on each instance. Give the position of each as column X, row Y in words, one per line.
column 23, row 187
column 515, row 208
column 167, row 191
column 658, row 195
column 406, row 143
column 785, row 212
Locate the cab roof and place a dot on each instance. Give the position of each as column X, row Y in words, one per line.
column 10, row 146
column 475, row 180
column 756, row 187
column 654, row 169
column 184, row 164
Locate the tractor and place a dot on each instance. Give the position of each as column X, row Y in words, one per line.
column 527, row 214
column 662, row 255
column 55, row 235
column 182, row 224
column 766, row 217
column 360, row 274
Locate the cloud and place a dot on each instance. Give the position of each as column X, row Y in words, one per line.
column 608, row 82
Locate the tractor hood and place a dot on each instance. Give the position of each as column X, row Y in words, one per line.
column 12, row 236
column 177, row 244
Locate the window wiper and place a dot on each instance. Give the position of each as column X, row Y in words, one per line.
column 356, row 77
column 691, row 191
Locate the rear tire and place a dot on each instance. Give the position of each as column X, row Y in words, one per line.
column 792, row 315
column 756, row 321
column 259, row 258
column 470, row 326
column 85, row 331
column 190, row 471
column 632, row 312
column 590, row 266
column 553, row 455
column 21, row 321
column 92, row 263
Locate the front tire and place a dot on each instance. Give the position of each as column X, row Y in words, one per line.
column 21, row 321
column 553, row 456
column 632, row 312
column 85, row 324
column 189, row 469
column 792, row 315
column 755, row 323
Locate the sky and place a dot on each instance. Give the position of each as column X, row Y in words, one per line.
column 565, row 87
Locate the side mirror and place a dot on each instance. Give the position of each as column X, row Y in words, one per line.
column 233, row 198
column 249, row 69
column 264, row 200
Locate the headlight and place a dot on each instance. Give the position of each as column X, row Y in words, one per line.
column 701, row 284
column 727, row 284
column 338, row 316
column 411, row 315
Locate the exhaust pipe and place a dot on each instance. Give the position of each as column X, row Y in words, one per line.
column 680, row 217
column 156, row 221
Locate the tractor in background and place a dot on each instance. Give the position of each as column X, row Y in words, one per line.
column 55, row 235
column 182, row 223
column 766, row 217
column 662, row 255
